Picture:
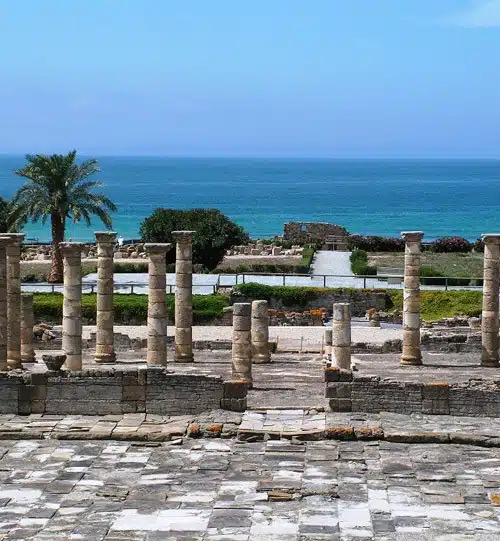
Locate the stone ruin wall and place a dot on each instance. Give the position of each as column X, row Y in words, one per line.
column 100, row 392
column 314, row 232
column 351, row 392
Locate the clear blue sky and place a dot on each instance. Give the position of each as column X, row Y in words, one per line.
column 336, row 78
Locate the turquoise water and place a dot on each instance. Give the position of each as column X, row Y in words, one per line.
column 366, row 196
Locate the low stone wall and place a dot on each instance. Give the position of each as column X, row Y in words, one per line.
column 360, row 300
column 101, row 392
column 350, row 392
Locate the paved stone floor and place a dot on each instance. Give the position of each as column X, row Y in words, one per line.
column 214, row 490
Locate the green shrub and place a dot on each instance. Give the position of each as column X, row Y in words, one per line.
column 307, row 258
column 125, row 307
column 130, row 267
column 215, row 233
column 289, row 296
column 359, row 264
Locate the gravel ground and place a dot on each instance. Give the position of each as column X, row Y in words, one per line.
column 285, row 335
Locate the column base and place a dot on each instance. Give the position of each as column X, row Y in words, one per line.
column 184, row 359
column 411, row 361
column 261, row 359
column 105, row 358
column 490, row 363
column 14, row 364
column 28, row 359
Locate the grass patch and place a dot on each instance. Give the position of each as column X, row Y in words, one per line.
column 48, row 306
column 440, row 304
column 448, row 264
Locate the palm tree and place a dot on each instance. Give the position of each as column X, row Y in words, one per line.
column 7, row 221
column 58, row 188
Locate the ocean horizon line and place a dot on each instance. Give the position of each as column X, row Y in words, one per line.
column 264, row 157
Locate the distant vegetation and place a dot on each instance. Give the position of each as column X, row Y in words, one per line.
column 214, row 233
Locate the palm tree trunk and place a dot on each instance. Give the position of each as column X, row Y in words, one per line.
column 58, row 225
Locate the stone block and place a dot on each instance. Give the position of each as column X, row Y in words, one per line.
column 333, row 374
column 235, row 389
column 133, row 392
column 338, row 390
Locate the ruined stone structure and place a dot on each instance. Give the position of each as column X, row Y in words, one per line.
column 490, row 314
column 330, row 236
column 14, row 300
column 157, row 307
column 242, row 344
column 27, row 322
column 105, row 284
column 260, row 332
column 411, row 304
column 183, row 296
column 72, row 305
column 341, row 336
column 4, row 242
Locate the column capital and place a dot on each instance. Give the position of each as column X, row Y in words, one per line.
column 491, row 238
column 157, row 248
column 105, row 237
column 71, row 248
column 183, row 236
column 16, row 239
column 412, row 236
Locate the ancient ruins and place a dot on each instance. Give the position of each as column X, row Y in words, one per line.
column 97, row 380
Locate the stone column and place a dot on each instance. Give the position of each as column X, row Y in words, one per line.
column 411, row 299
column 105, row 351
column 14, row 300
column 157, row 306
column 27, row 322
column 242, row 343
column 4, row 242
column 183, row 296
column 72, row 305
column 328, row 342
column 341, row 335
column 260, row 333
column 491, row 284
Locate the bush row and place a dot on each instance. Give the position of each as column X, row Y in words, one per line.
column 48, row 306
column 394, row 244
column 359, row 264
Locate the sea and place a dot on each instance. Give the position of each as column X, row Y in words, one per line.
column 368, row 197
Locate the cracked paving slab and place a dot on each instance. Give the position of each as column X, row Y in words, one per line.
column 229, row 490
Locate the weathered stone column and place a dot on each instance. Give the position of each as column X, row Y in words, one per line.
column 105, row 351
column 72, row 305
column 260, row 333
column 4, row 242
column 14, row 300
column 491, row 284
column 328, row 342
column 27, row 322
column 411, row 299
column 341, row 335
column 242, row 343
column 183, row 296
column 157, row 306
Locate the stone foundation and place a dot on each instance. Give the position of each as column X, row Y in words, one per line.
column 101, row 392
column 350, row 392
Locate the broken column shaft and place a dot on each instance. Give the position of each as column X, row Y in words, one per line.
column 260, row 332
column 341, row 335
column 242, row 344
